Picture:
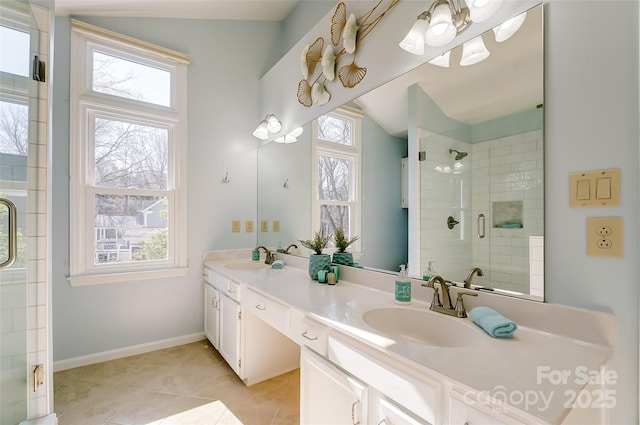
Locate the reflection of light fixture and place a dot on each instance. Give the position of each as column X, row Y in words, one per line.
column 270, row 124
column 442, row 60
column 508, row 28
column 474, row 51
column 290, row 137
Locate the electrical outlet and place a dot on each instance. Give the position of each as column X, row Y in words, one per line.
column 235, row 226
column 276, row 225
column 605, row 237
column 264, row 226
column 248, row 226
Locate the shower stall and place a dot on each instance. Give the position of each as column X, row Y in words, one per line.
column 25, row 376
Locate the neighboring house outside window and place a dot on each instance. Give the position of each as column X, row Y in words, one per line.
column 128, row 158
column 336, row 154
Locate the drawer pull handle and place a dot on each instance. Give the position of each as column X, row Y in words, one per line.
column 382, row 421
column 261, row 308
column 353, row 413
column 231, row 291
column 304, row 334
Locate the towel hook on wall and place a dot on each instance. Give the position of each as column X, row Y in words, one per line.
column 226, row 178
column 286, row 184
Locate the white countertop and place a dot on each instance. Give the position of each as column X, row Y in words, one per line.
column 512, row 369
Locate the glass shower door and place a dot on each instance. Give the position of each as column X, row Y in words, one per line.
column 16, row 45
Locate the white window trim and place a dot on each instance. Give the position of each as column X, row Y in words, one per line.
column 352, row 153
column 86, row 103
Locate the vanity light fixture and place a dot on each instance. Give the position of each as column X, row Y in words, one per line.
column 506, row 29
column 269, row 125
column 444, row 20
column 290, row 137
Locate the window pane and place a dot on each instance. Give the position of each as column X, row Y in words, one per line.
column 333, row 217
column 130, row 228
column 130, row 155
column 333, row 178
column 14, row 51
column 124, row 78
column 336, row 130
column 14, row 128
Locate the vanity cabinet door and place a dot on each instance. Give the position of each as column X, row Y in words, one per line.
column 328, row 395
column 463, row 413
column 230, row 332
column 212, row 315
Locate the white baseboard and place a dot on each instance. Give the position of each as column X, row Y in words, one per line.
column 125, row 352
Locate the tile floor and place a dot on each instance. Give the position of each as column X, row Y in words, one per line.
column 186, row 385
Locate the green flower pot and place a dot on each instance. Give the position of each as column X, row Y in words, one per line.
column 344, row 258
column 318, row 262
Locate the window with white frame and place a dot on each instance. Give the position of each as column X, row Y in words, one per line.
column 128, row 158
column 336, row 174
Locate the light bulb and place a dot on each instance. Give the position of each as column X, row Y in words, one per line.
column 441, row 29
column 273, row 124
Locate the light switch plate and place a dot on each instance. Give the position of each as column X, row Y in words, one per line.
column 605, row 237
column 235, row 226
column 276, row 225
column 248, row 226
column 595, row 188
column 264, row 226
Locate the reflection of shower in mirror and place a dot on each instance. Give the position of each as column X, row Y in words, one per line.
column 459, row 155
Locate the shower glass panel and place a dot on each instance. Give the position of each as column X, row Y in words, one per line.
column 16, row 47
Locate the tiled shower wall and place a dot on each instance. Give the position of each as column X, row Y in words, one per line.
column 508, row 169
column 500, row 170
column 445, row 190
column 25, row 322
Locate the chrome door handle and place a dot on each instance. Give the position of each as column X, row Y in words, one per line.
column 12, row 233
column 481, row 219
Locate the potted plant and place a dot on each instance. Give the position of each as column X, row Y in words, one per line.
column 342, row 243
column 317, row 261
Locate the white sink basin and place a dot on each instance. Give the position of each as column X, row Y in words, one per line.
column 245, row 265
column 422, row 326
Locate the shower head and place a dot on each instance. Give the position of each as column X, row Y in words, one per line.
column 459, row 155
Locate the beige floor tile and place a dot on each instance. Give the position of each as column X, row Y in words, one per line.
column 185, row 385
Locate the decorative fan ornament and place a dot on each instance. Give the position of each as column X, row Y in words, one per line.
column 349, row 34
column 351, row 31
column 314, row 55
column 329, row 63
column 304, row 93
column 351, row 75
column 320, row 95
column 338, row 22
column 303, row 62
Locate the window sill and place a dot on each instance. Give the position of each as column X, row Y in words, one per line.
column 132, row 276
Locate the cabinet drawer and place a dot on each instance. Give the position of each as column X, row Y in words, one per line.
column 226, row 286
column 421, row 397
column 469, row 412
column 308, row 332
column 267, row 309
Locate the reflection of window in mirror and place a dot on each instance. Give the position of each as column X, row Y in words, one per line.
column 336, row 151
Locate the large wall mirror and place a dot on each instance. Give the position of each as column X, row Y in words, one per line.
column 479, row 131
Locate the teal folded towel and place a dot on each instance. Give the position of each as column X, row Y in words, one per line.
column 278, row 264
column 494, row 323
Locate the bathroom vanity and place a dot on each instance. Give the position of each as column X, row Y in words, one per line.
column 372, row 360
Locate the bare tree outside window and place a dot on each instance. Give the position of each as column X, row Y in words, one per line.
column 14, row 128
column 335, row 174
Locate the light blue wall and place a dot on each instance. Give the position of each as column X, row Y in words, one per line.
column 591, row 123
column 384, row 221
column 226, row 60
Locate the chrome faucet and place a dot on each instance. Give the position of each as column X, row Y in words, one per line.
column 268, row 255
column 467, row 281
column 445, row 305
column 286, row 251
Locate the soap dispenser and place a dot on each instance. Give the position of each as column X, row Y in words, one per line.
column 403, row 287
column 430, row 272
